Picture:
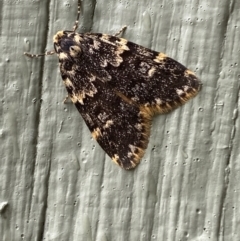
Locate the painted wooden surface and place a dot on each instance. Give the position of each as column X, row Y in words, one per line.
column 56, row 183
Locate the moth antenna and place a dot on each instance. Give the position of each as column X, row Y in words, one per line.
column 39, row 55
column 120, row 31
column 78, row 15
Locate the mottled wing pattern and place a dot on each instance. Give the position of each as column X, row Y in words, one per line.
column 118, row 86
column 144, row 76
column 120, row 128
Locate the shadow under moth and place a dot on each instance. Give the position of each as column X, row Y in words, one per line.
column 118, row 86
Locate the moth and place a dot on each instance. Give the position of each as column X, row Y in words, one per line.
column 118, row 86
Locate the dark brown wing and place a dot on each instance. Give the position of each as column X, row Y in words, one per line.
column 117, row 86
column 144, row 76
column 120, row 128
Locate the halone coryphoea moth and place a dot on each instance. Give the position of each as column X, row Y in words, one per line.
column 118, row 86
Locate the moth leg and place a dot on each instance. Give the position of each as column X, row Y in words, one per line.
column 66, row 98
column 39, row 55
column 78, row 15
column 120, row 31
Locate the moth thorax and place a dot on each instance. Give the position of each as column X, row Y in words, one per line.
column 57, row 37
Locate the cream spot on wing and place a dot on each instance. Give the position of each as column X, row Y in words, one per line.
column 96, row 133
column 158, row 101
column 92, row 92
column 188, row 72
column 63, row 56
column 132, row 148
column 138, row 126
column 68, row 83
column 74, row 51
column 103, row 63
column 134, row 164
column 135, row 99
column 186, row 88
column 108, row 124
column 122, row 41
column 96, row 44
column 144, row 67
column 151, row 71
column 80, row 96
column 160, row 58
column 117, row 61
column 180, row 92
column 74, row 99
column 147, row 104
column 91, row 51
column 102, row 116
column 123, row 44
column 136, row 154
column 92, row 78
column 78, row 38
column 115, row 158
column 105, row 37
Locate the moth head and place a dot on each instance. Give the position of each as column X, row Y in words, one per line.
column 66, row 42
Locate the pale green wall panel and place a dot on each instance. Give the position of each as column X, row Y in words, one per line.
column 56, row 183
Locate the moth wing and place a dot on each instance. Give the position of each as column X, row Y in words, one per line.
column 146, row 77
column 121, row 129
column 117, row 86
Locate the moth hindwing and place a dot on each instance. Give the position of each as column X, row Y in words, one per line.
column 118, row 86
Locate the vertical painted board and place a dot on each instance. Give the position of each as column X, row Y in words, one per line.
column 58, row 184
